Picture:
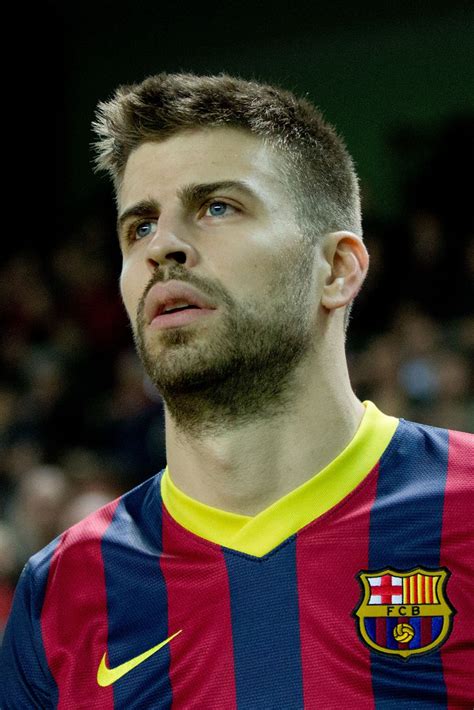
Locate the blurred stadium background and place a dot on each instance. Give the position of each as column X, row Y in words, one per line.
column 79, row 422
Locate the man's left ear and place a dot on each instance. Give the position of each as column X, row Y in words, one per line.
column 348, row 262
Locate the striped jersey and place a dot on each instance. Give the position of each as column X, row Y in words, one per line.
column 354, row 590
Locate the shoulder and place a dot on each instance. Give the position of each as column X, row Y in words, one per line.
column 81, row 543
column 436, row 457
column 428, row 458
column 431, row 438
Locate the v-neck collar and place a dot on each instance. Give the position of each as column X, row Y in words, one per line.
column 261, row 533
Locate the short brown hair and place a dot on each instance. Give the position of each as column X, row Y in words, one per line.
column 316, row 167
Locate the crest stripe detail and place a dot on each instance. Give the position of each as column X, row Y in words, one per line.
column 416, row 457
column 416, row 642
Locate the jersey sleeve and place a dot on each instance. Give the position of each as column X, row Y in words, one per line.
column 25, row 679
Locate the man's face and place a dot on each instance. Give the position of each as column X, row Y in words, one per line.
column 241, row 249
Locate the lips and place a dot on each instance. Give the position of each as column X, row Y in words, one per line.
column 164, row 295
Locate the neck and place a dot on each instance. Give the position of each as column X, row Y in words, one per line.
column 246, row 468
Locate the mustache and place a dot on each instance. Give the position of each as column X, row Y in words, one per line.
column 157, row 277
column 161, row 276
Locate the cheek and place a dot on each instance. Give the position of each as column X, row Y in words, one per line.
column 130, row 288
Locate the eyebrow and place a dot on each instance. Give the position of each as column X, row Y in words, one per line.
column 189, row 195
column 144, row 208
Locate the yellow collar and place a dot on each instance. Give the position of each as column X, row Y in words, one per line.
column 262, row 533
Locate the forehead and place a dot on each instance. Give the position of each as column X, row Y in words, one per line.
column 201, row 156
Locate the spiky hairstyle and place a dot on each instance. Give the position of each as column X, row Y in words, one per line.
column 316, row 167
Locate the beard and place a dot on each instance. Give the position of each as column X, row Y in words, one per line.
column 237, row 365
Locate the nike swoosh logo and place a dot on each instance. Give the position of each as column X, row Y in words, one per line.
column 106, row 676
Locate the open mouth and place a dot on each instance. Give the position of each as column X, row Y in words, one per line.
column 180, row 308
column 182, row 315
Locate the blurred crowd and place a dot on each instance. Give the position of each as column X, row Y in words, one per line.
column 80, row 423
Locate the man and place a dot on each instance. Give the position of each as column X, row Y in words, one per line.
column 301, row 549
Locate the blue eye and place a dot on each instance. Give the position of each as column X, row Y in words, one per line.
column 217, row 208
column 144, row 229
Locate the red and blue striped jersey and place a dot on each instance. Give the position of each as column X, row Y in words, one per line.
column 354, row 590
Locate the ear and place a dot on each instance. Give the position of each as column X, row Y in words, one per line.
column 347, row 262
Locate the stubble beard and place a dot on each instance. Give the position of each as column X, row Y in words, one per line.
column 239, row 367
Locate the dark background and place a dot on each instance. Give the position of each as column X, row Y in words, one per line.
column 388, row 75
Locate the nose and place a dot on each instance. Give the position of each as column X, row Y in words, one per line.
column 170, row 243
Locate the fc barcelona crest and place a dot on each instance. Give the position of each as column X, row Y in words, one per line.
column 404, row 613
